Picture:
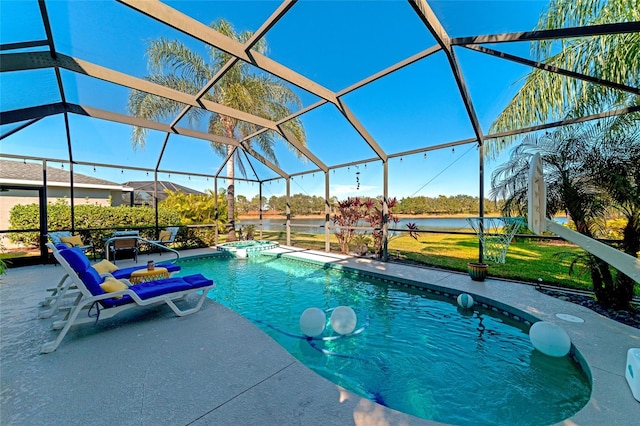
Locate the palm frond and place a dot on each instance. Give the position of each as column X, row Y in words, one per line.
column 174, row 57
column 546, row 96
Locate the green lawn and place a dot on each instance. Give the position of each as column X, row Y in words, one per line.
column 527, row 260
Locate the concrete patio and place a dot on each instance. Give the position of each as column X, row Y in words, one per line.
column 147, row 366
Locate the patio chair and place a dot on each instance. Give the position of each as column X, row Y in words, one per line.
column 66, row 238
column 167, row 236
column 67, row 289
column 124, row 245
column 108, row 297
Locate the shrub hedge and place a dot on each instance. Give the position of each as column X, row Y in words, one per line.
column 87, row 216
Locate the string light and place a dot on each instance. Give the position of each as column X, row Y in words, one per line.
column 401, row 159
column 94, row 168
column 121, row 171
column 62, row 165
column 24, row 160
column 425, row 155
column 453, row 150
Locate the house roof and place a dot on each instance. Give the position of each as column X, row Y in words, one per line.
column 144, row 189
column 24, row 173
column 148, row 186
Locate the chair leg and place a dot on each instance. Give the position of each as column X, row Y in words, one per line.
column 54, row 292
column 193, row 310
column 62, row 293
column 49, row 347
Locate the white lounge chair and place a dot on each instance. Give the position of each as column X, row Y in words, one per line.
column 91, row 296
column 66, row 288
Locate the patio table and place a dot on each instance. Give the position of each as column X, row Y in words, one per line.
column 144, row 275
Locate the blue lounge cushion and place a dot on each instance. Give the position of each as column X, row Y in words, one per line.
column 76, row 259
column 160, row 287
column 150, row 289
column 198, row 280
column 92, row 280
column 126, row 272
column 61, row 246
column 110, row 303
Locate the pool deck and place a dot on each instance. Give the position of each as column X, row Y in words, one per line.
column 149, row 367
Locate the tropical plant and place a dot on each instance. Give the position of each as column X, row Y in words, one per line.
column 374, row 216
column 546, row 96
column 3, row 264
column 349, row 215
column 355, row 212
column 614, row 160
column 570, row 155
column 198, row 209
column 174, row 65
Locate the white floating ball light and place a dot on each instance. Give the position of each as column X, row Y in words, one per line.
column 313, row 322
column 550, row 339
column 343, row 320
column 465, row 300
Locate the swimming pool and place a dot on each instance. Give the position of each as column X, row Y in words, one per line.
column 420, row 354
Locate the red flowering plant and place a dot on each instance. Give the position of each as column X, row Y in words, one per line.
column 349, row 215
column 354, row 212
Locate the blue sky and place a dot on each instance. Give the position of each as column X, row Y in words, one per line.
column 336, row 43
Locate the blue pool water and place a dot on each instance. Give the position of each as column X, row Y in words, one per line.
column 420, row 354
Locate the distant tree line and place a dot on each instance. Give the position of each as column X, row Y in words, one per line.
column 312, row 204
column 443, row 205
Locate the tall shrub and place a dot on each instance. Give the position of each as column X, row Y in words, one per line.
column 87, row 216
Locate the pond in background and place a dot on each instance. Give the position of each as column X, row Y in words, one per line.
column 316, row 226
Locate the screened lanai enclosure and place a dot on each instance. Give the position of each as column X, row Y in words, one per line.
column 271, row 99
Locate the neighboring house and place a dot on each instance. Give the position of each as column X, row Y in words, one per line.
column 143, row 191
column 87, row 189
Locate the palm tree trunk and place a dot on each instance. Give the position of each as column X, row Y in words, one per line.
column 231, row 198
column 630, row 245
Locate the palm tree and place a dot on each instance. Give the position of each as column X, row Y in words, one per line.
column 615, row 162
column 586, row 168
column 174, row 65
column 546, row 96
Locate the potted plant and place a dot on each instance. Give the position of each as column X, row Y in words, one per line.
column 477, row 271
